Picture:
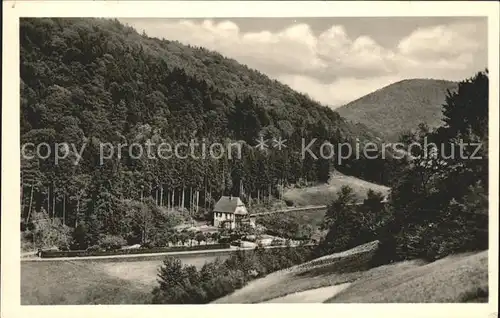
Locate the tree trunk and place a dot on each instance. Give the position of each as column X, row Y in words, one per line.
column 77, row 211
column 183, row 197
column 190, row 200
column 205, row 205
column 172, row 201
column 64, row 208
column 161, row 195
column 48, row 201
column 144, row 225
column 197, row 201
column 29, row 208
column 53, row 202
column 168, row 200
column 171, row 198
column 283, row 190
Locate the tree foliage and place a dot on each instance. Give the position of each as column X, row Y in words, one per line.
column 89, row 82
column 441, row 203
column 183, row 284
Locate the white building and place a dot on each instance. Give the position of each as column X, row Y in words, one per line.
column 229, row 211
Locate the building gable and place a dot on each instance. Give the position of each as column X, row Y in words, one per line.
column 228, row 205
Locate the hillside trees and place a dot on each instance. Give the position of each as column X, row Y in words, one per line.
column 183, row 284
column 440, row 203
column 350, row 224
column 95, row 82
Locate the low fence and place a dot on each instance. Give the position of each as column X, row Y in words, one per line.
column 85, row 253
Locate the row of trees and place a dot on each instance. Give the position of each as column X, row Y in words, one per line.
column 143, row 223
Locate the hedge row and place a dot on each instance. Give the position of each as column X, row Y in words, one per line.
column 81, row 253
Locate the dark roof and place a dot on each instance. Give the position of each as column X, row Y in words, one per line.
column 228, row 204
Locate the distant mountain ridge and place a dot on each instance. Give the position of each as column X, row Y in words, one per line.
column 400, row 106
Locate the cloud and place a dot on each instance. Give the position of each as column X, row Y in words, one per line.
column 333, row 67
column 441, row 41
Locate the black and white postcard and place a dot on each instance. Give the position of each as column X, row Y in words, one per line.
column 209, row 153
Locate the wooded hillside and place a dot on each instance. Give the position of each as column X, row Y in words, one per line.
column 93, row 81
column 400, row 107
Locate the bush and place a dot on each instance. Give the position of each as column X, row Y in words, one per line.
column 93, row 248
column 350, row 225
column 224, row 240
column 111, row 242
column 27, row 241
column 147, row 245
column 48, row 233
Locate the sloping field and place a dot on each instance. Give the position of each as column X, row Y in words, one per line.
column 458, row 278
column 114, row 281
column 324, row 194
column 327, row 271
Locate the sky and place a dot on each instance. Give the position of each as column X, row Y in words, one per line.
column 337, row 60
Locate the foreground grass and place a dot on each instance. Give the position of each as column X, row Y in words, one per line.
column 76, row 283
column 458, row 278
column 83, row 282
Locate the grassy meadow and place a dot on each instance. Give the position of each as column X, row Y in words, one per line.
column 81, row 282
column 324, row 194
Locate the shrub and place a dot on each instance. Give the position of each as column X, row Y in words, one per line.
column 80, row 240
column 224, row 240
column 93, row 248
column 49, row 233
column 200, row 237
column 111, row 242
column 27, row 241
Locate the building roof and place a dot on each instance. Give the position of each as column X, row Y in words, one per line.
column 228, row 204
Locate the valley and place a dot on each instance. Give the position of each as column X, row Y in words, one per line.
column 124, row 211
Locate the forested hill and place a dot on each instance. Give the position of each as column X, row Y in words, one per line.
column 91, row 81
column 109, row 62
column 401, row 106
